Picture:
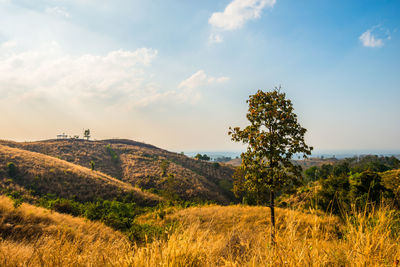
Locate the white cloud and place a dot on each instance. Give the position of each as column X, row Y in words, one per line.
column 238, row 12
column 9, row 44
column 120, row 80
column 200, row 78
column 369, row 40
column 215, row 38
column 58, row 11
column 116, row 77
column 375, row 37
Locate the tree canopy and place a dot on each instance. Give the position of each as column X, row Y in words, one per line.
column 273, row 137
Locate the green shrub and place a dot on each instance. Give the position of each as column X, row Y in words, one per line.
column 333, row 196
column 366, row 188
column 112, row 153
column 164, row 167
column 142, row 233
column 11, row 169
column 16, row 198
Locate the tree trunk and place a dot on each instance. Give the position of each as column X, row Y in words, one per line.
column 272, row 207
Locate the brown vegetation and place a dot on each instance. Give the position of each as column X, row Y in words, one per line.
column 140, row 165
column 43, row 174
column 205, row 236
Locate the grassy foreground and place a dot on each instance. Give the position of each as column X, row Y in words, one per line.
column 205, row 236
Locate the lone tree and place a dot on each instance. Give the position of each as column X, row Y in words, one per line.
column 86, row 134
column 273, row 137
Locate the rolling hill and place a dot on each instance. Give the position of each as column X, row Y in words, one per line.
column 39, row 174
column 142, row 165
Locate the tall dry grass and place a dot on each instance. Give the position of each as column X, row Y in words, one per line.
column 216, row 236
column 32, row 236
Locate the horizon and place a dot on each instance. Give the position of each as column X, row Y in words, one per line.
column 177, row 75
column 339, row 154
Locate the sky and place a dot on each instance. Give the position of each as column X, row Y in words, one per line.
column 177, row 74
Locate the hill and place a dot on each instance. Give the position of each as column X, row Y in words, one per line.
column 39, row 174
column 144, row 166
column 304, row 163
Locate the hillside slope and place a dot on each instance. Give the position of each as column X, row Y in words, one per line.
column 32, row 236
column 144, row 166
column 42, row 174
column 239, row 236
column 202, row 236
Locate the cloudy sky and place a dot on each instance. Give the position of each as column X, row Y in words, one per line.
column 176, row 73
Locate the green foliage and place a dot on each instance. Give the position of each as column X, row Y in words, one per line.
column 63, row 206
column 225, row 185
column 353, row 165
column 273, row 137
column 113, row 155
column 86, row 134
column 216, row 165
column 333, row 196
column 164, row 167
column 16, row 197
column 311, row 173
column 92, row 165
column 366, row 188
column 340, row 194
column 145, row 232
column 223, row 159
column 202, row 157
column 115, row 214
column 11, row 169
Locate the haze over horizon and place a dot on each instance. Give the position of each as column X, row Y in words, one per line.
column 177, row 74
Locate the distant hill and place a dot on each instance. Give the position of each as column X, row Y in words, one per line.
column 41, row 174
column 143, row 166
column 304, row 163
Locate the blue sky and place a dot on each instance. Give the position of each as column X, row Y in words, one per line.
column 176, row 74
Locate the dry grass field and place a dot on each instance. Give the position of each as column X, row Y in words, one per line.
column 45, row 174
column 205, row 236
column 32, row 236
column 141, row 165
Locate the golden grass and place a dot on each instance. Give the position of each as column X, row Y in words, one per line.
column 239, row 236
column 51, row 175
column 32, row 236
column 206, row 236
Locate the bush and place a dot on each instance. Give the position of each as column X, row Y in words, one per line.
column 113, row 155
column 333, row 195
column 366, row 188
column 66, row 206
column 11, row 169
column 142, row 233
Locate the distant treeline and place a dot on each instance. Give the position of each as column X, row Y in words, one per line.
column 353, row 184
column 354, row 165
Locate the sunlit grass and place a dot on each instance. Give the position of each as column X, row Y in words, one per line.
column 205, row 236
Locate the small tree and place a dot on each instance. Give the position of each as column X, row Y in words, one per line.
column 11, row 169
column 86, row 134
column 273, row 137
column 92, row 165
column 164, row 167
column 202, row 157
